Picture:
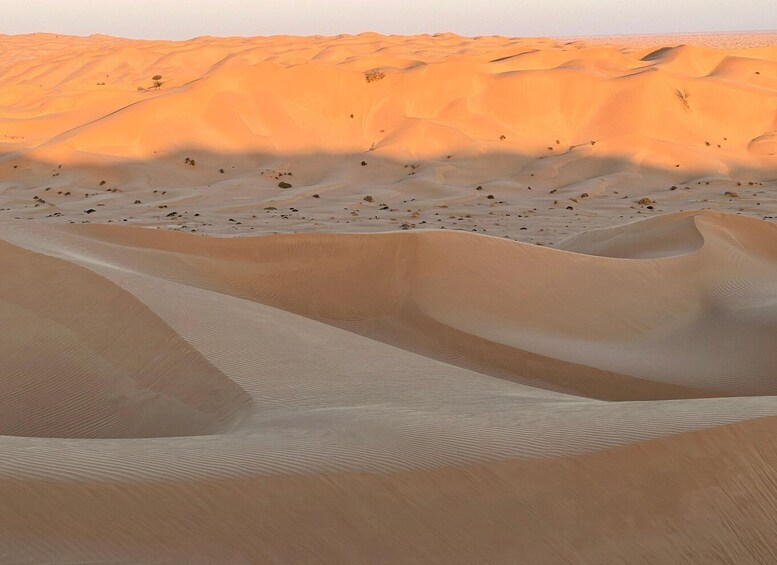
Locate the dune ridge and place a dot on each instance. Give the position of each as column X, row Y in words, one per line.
column 555, row 131
column 65, row 377
column 370, row 395
column 472, row 284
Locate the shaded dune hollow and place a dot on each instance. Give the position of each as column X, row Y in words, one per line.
column 82, row 358
column 680, row 306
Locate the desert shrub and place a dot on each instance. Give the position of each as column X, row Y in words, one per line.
column 683, row 96
column 374, row 74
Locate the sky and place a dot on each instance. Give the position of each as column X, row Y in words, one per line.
column 181, row 19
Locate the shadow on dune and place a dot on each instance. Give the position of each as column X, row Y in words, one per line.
column 678, row 325
column 555, row 168
column 82, row 358
column 391, row 288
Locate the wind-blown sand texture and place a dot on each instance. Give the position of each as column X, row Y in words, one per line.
column 361, row 393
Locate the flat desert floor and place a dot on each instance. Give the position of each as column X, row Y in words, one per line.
column 388, row 299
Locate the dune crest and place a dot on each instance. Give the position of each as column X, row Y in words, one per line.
column 298, row 132
column 466, row 289
column 764, row 145
column 87, row 360
column 423, row 323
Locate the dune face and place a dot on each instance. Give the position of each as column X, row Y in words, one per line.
column 483, row 302
column 560, row 136
column 580, row 367
column 449, row 366
column 82, row 358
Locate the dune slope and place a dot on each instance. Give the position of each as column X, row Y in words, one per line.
column 82, row 358
column 560, row 136
column 337, row 368
column 507, row 307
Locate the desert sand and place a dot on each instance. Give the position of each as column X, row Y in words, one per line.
column 364, row 299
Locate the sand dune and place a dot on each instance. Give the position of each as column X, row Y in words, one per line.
column 454, row 356
column 463, row 290
column 65, row 374
column 537, row 123
column 579, row 368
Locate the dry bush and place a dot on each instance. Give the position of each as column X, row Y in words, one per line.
column 374, row 74
column 683, row 96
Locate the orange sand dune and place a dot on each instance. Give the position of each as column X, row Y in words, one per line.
column 555, row 131
column 508, row 300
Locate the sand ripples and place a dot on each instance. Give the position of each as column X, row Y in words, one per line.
column 145, row 358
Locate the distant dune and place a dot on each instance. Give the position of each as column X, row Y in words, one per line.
column 580, row 367
column 719, row 40
column 415, row 123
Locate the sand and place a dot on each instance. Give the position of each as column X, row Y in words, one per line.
column 517, row 303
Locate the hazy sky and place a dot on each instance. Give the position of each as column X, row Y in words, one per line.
column 177, row 19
